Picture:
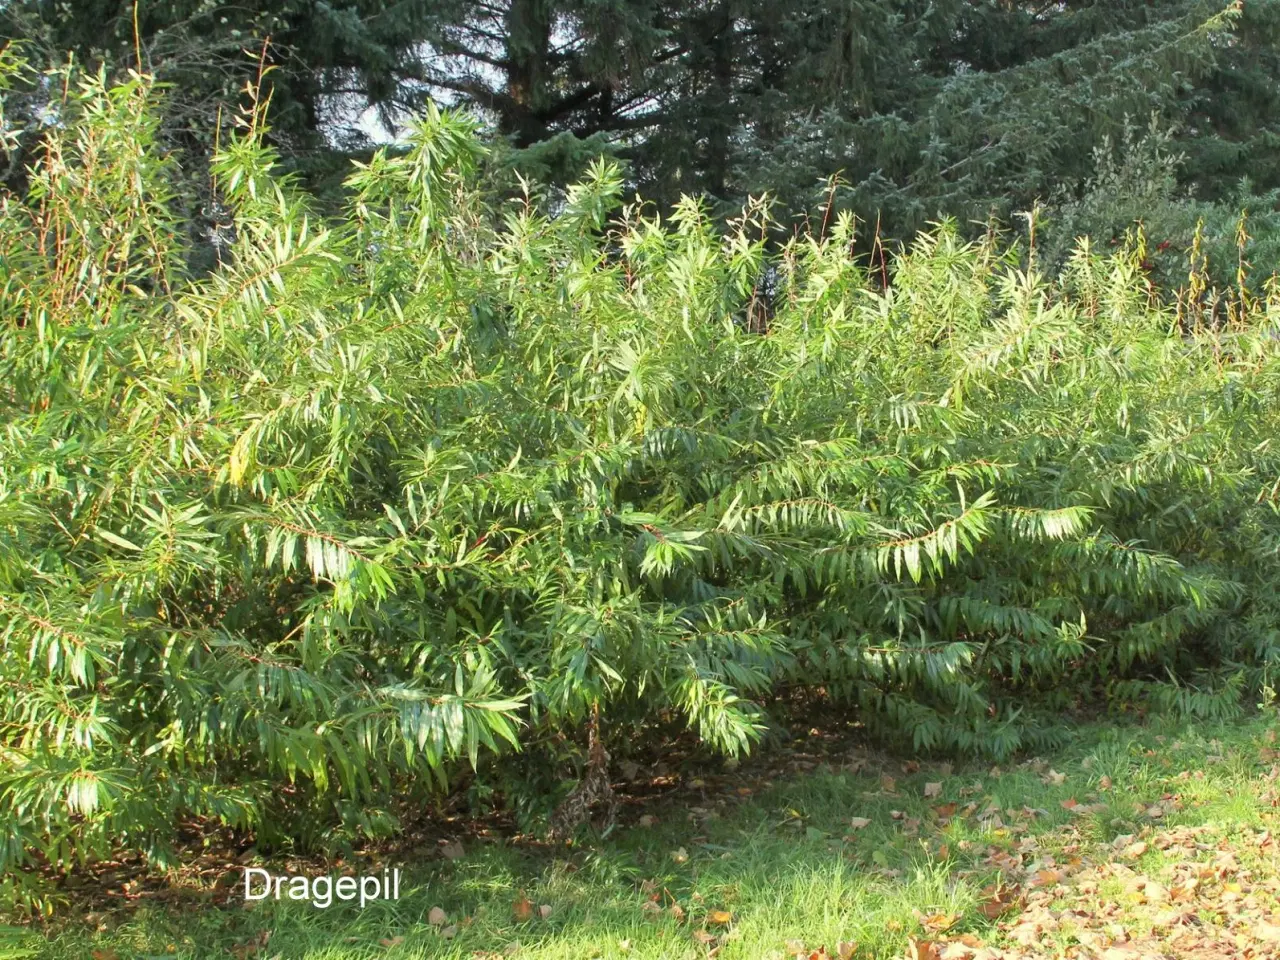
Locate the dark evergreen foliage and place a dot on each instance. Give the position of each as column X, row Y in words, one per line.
column 965, row 108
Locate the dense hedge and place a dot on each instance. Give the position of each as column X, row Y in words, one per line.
column 386, row 498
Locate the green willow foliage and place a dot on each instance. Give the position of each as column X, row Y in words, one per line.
column 384, row 499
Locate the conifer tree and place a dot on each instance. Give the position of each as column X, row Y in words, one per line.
column 975, row 108
column 319, row 52
column 949, row 107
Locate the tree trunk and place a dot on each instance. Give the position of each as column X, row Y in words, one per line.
column 529, row 25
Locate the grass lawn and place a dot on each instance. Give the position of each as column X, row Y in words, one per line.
column 1130, row 843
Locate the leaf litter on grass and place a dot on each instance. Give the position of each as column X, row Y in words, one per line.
column 1159, row 891
column 1203, row 902
column 1095, row 866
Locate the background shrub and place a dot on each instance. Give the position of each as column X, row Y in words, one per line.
column 1135, row 192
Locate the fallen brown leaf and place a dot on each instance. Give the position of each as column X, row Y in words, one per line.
column 938, row 922
column 452, row 850
column 1047, row 878
column 1267, row 931
column 1134, row 850
column 922, row 950
column 1155, row 892
column 997, row 901
column 522, row 909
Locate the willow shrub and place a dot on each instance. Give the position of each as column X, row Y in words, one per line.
column 389, row 498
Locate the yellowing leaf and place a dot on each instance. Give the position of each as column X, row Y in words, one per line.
column 719, row 916
column 242, row 452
